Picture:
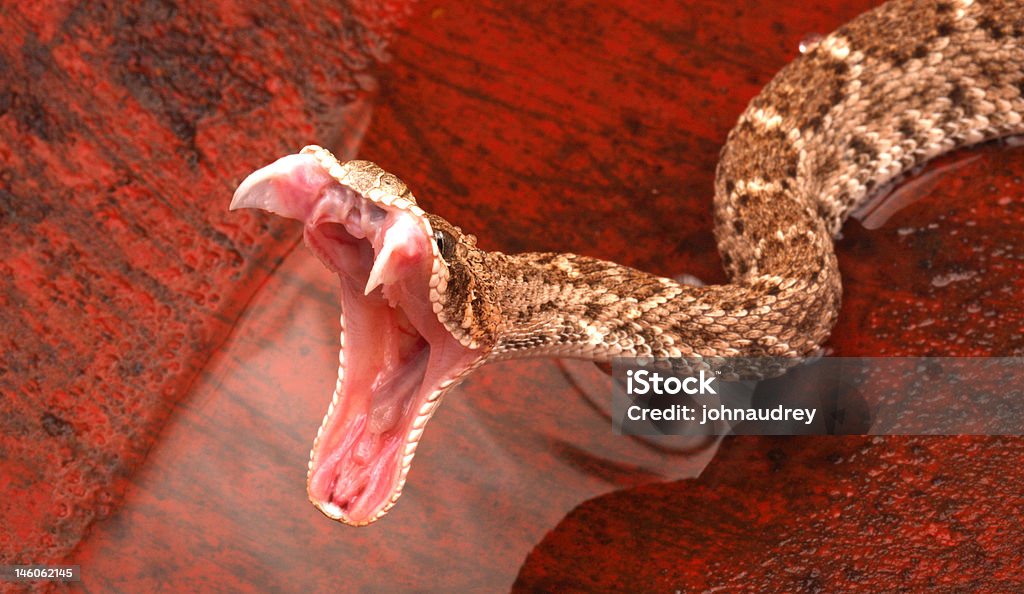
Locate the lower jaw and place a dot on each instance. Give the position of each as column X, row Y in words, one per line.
column 365, row 446
column 355, row 464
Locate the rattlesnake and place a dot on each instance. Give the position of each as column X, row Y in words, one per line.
column 898, row 85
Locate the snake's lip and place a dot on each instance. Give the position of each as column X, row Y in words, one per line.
column 397, row 360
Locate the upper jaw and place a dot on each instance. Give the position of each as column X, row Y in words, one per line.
column 397, row 359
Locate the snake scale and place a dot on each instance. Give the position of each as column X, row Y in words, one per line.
column 422, row 305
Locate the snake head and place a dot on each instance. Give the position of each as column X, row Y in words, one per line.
column 472, row 312
column 403, row 345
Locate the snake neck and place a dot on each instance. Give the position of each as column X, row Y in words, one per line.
column 575, row 306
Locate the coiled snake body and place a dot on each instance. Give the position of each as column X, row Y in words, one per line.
column 423, row 306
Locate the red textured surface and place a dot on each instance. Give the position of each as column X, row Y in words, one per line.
column 794, row 514
column 590, row 128
column 123, row 132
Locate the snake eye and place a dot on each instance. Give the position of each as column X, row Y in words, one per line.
column 445, row 244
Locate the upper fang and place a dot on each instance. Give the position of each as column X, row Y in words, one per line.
column 379, row 264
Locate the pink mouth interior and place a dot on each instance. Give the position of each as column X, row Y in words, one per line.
column 396, row 358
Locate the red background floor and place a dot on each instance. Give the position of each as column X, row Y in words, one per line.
column 165, row 363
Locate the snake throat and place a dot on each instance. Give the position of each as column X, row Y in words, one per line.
column 396, row 359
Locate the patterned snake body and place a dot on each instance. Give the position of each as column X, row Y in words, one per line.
column 893, row 88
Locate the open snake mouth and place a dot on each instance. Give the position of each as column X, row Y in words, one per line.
column 397, row 359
